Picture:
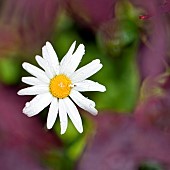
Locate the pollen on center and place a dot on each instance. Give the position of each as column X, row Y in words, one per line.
column 60, row 86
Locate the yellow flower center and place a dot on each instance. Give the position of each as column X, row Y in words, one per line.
column 60, row 86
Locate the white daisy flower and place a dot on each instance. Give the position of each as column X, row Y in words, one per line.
column 59, row 85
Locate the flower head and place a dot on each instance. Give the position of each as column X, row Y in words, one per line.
column 59, row 85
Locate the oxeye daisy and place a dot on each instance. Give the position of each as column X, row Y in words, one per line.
column 59, row 85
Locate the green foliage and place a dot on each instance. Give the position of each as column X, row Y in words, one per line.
column 74, row 143
column 119, row 41
column 150, row 166
column 120, row 76
column 9, row 71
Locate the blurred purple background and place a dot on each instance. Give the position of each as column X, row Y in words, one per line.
column 132, row 130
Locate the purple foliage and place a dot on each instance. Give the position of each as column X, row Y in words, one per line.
column 91, row 13
column 9, row 41
column 18, row 159
column 152, row 53
column 32, row 20
column 121, row 143
column 155, row 109
column 23, row 141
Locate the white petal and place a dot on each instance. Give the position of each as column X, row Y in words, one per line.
column 34, row 90
column 68, row 54
column 51, row 57
column 73, row 114
column 72, row 62
column 35, row 71
column 52, row 114
column 86, row 71
column 44, row 64
column 37, row 104
column 47, row 58
column 31, row 81
column 63, row 116
column 88, row 85
column 83, row 102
